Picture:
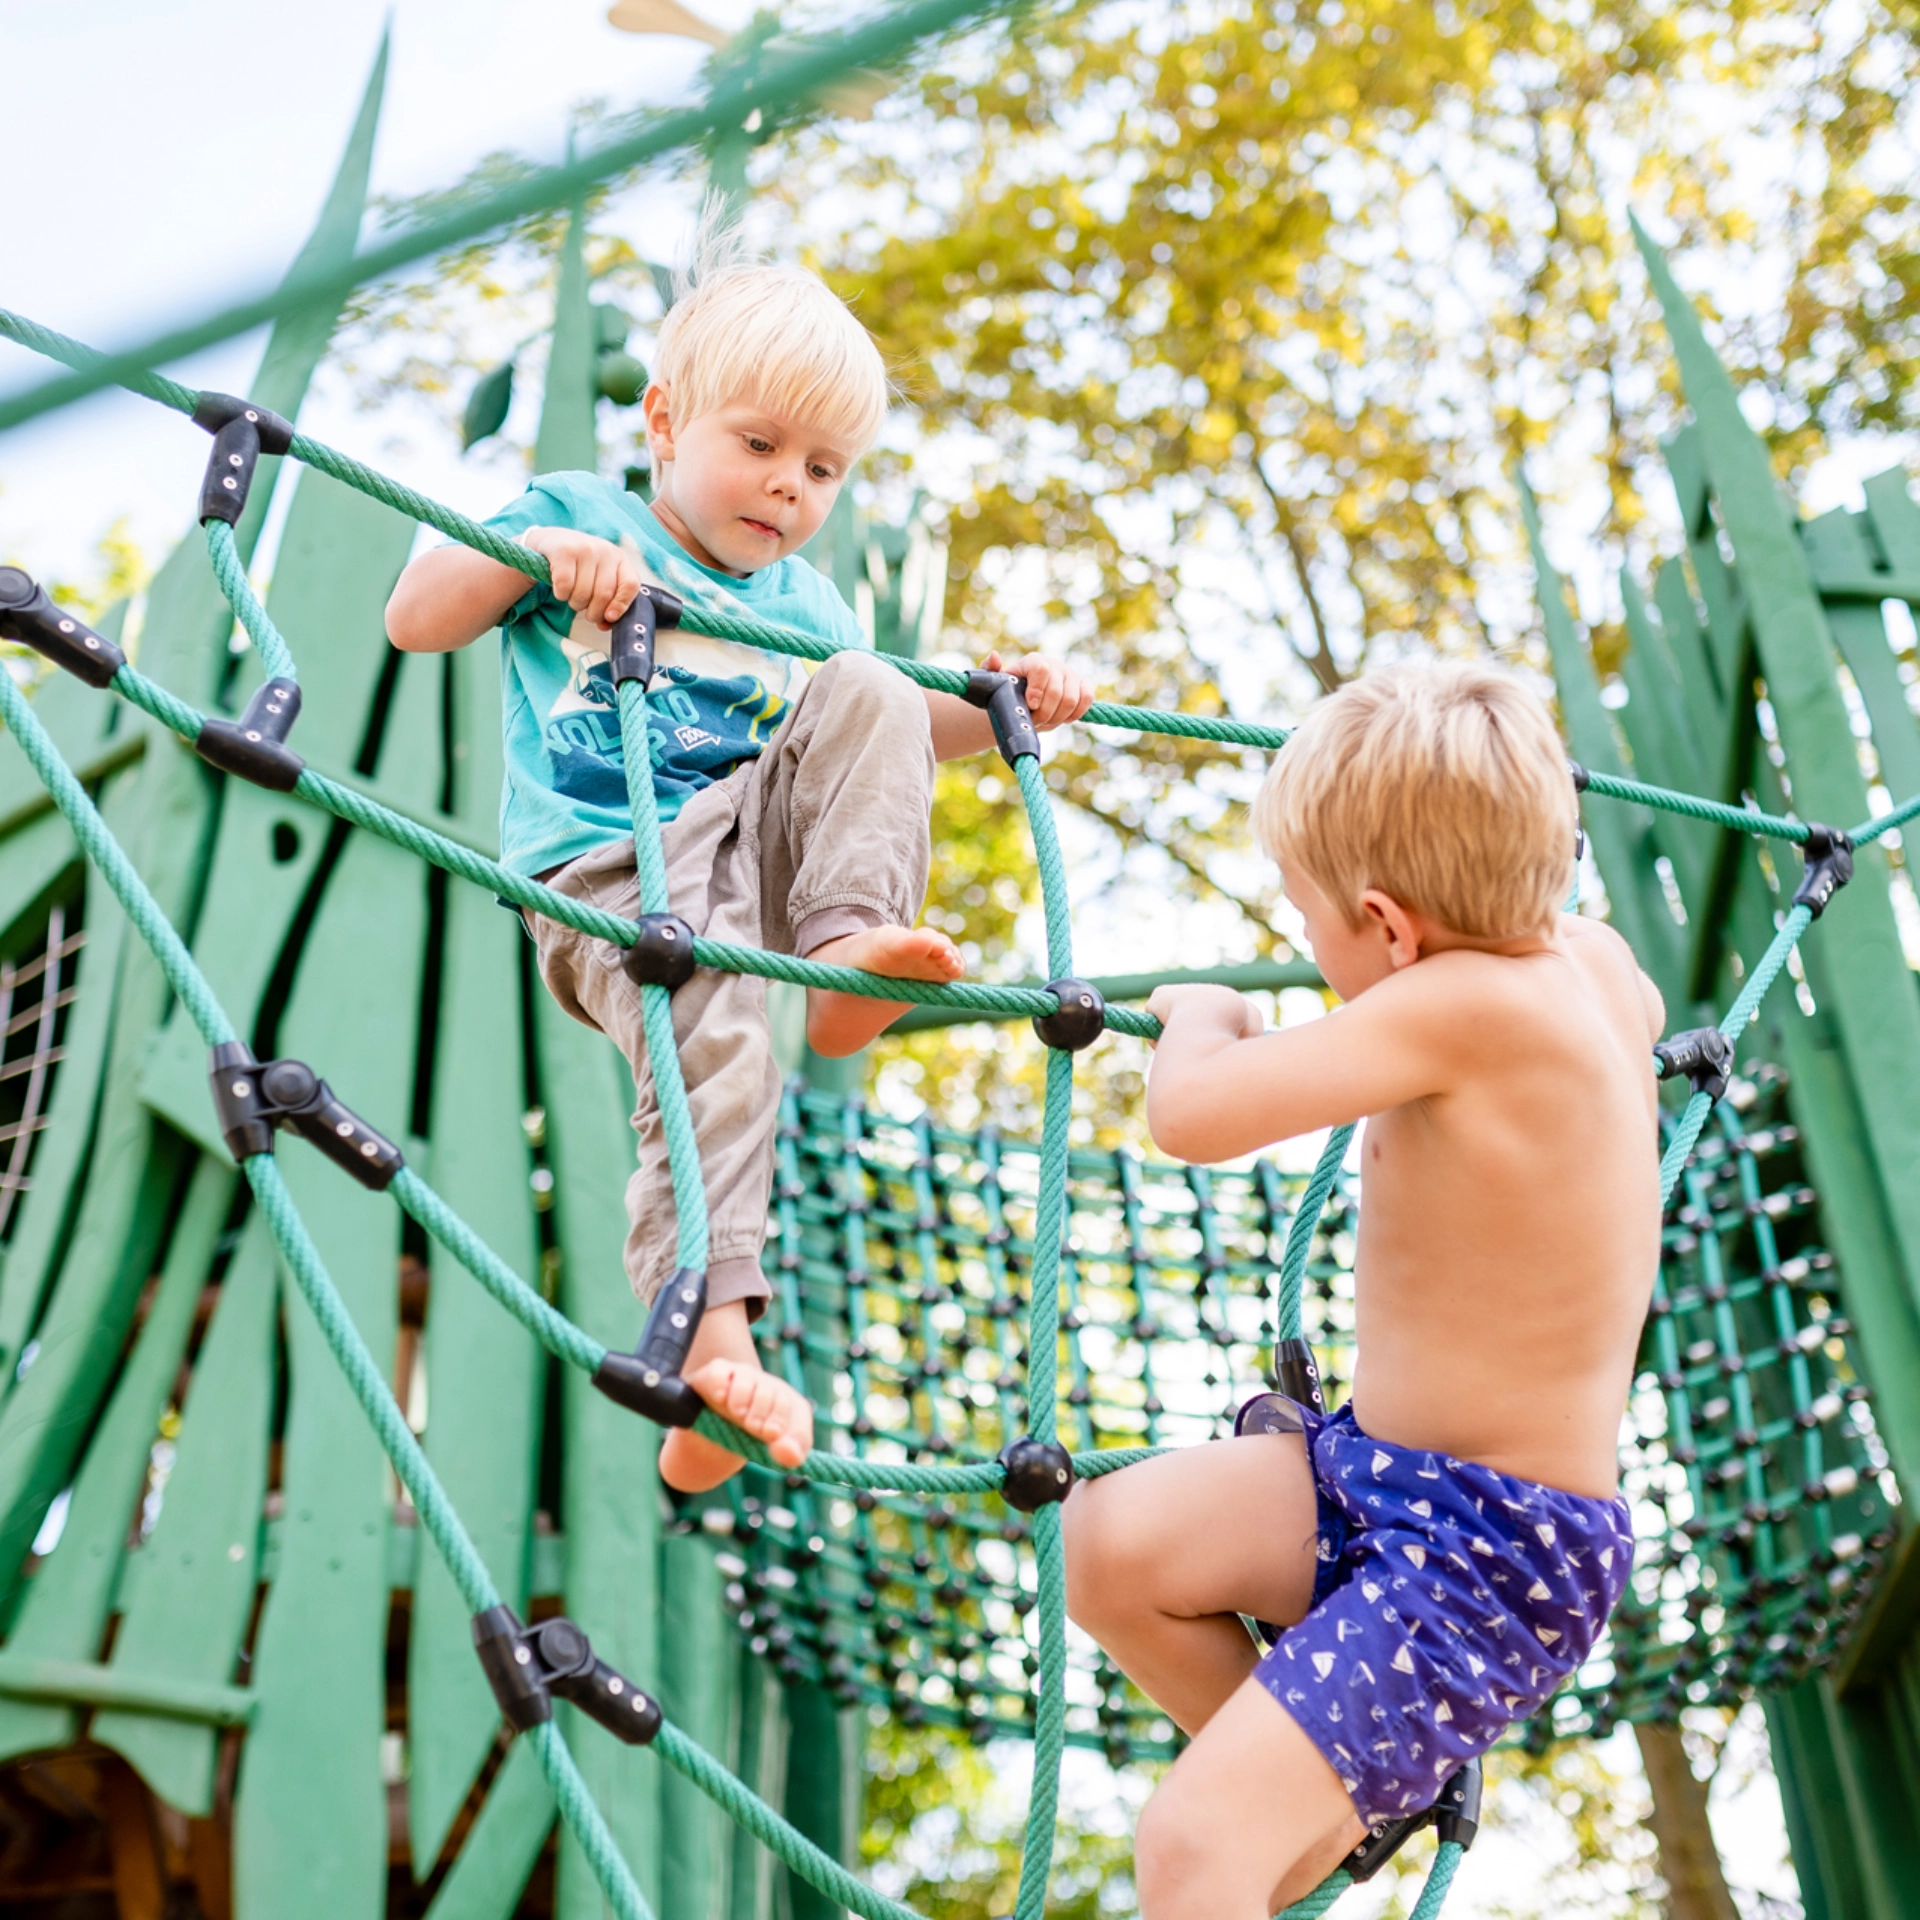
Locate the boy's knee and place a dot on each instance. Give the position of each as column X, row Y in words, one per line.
column 1171, row 1854
column 1099, row 1563
column 865, row 680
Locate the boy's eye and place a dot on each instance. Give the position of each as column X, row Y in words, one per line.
column 821, row 473
column 755, row 444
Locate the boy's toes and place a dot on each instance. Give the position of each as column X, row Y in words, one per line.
column 758, row 1404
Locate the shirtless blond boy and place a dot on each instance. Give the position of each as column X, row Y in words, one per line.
column 1445, row 1548
column 794, row 808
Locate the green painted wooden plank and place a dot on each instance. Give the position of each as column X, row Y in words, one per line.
column 91, row 1684
column 65, row 1611
column 1821, row 1842
column 1619, row 832
column 338, row 560
column 189, row 1615
column 490, row 1872
column 760, row 1760
column 484, row 1371
column 823, row 1788
column 35, row 863
column 566, row 440
column 1686, row 643
column 612, row 1513
column 310, row 1816
column 1879, row 1789
column 1895, row 519
column 1860, row 632
column 699, row 1678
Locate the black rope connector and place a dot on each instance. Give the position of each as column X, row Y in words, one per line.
column 255, row 1097
column 241, row 433
column 647, row 1381
column 1581, row 777
column 1080, row 1019
column 30, row 617
column 1829, row 856
column 1455, row 1816
column 1005, row 701
column 527, row 1666
column 1297, row 1373
column 1039, row 1473
column 254, row 746
column 630, row 646
column 662, row 952
column 1701, row 1055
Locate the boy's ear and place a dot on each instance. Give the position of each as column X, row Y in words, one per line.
column 1396, row 923
column 655, row 409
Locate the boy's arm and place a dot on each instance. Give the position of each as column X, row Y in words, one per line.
column 1056, row 694
column 449, row 596
column 1219, row 1088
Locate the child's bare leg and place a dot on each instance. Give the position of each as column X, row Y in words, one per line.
column 1250, row 1819
column 725, row 1371
column 1162, row 1558
column 843, row 1023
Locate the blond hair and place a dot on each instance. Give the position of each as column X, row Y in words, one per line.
column 742, row 328
column 1446, row 787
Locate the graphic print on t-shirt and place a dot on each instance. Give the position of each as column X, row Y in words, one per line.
column 583, row 729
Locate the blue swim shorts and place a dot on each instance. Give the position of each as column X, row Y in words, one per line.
column 1449, row 1602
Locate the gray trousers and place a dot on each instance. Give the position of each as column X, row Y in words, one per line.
column 825, row 834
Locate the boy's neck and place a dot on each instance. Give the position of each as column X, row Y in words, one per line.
column 663, row 511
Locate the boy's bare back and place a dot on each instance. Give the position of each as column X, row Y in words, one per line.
column 1509, row 1223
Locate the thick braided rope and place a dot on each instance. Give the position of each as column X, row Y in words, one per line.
column 1446, row 1863
column 1311, row 1906
column 1305, row 1223
column 275, row 655
column 1733, row 1026
column 547, row 1324
column 656, row 1004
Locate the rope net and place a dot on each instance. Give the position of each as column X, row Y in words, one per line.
column 939, row 1294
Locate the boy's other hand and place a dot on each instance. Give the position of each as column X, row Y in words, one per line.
column 1216, row 1006
column 1056, row 692
column 592, row 576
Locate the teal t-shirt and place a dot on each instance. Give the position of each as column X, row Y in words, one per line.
column 711, row 703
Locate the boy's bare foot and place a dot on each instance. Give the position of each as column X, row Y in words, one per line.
column 843, row 1023
column 757, row 1402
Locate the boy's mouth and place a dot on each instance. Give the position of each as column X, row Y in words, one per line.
column 760, row 527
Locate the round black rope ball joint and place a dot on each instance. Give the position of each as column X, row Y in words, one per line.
column 1080, row 1019
column 662, row 951
column 1039, row 1473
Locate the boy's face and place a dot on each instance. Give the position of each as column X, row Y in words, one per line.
column 742, row 486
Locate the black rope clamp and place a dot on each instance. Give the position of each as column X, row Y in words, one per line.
column 28, row 616
column 630, row 646
column 1005, row 701
column 1455, row 1816
column 1039, row 1473
column 1581, row 777
column 1701, row 1055
column 254, row 746
column 662, row 952
column 527, row 1666
column 254, row 1097
column 647, row 1381
column 1080, row 1019
column 1297, row 1374
column 1829, row 856
column 241, row 433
